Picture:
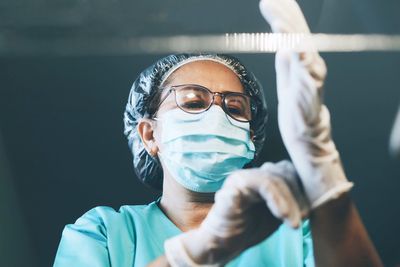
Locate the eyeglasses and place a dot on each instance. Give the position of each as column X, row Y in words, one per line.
column 193, row 98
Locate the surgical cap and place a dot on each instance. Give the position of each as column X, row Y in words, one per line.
column 148, row 168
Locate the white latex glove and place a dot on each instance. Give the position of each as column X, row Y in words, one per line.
column 304, row 121
column 240, row 215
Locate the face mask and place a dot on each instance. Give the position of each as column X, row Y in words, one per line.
column 201, row 150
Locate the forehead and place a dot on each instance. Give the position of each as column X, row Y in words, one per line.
column 213, row 75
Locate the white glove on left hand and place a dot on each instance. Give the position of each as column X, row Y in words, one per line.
column 303, row 120
column 240, row 216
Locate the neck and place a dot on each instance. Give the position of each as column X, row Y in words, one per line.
column 185, row 208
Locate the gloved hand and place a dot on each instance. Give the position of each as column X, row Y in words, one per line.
column 304, row 121
column 241, row 216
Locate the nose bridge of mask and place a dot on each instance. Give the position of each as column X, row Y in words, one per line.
column 213, row 122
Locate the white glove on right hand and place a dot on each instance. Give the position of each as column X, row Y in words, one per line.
column 303, row 120
column 241, row 215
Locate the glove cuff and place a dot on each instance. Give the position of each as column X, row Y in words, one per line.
column 333, row 193
column 327, row 181
column 178, row 256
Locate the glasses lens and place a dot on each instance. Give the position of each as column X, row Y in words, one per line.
column 193, row 99
column 238, row 106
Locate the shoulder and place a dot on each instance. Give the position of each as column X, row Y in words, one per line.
column 102, row 218
column 98, row 215
column 100, row 235
column 96, row 224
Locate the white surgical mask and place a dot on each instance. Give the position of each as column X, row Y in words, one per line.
column 201, row 150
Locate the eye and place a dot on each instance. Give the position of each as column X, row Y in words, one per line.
column 235, row 105
column 235, row 111
column 193, row 99
column 193, row 104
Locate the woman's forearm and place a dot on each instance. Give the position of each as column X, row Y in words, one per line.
column 339, row 236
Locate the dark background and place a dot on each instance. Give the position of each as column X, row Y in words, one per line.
column 62, row 150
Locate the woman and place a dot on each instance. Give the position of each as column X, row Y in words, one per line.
column 192, row 122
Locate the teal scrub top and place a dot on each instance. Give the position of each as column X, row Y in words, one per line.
column 135, row 235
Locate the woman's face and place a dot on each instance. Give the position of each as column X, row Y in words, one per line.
column 212, row 75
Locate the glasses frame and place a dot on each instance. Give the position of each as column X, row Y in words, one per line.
column 222, row 95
